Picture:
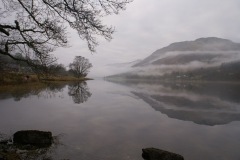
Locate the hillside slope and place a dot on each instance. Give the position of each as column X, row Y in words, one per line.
column 203, row 59
column 202, row 49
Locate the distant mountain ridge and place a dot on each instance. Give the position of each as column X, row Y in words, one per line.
column 210, row 59
column 126, row 64
column 201, row 45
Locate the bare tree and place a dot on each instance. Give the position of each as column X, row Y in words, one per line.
column 80, row 66
column 42, row 66
column 34, row 28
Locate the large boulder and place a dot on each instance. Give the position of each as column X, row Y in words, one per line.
column 33, row 137
column 158, row 154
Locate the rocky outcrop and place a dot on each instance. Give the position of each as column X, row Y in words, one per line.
column 27, row 144
column 158, row 154
column 33, row 137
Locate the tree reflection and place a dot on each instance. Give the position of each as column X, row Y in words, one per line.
column 17, row 92
column 79, row 92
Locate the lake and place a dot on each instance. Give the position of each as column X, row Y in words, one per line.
column 101, row 120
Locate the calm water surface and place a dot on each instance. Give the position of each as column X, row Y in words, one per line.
column 101, row 120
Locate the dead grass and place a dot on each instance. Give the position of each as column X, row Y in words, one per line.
column 65, row 78
column 20, row 78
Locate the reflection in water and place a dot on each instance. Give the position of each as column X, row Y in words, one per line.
column 225, row 91
column 79, row 92
column 206, row 104
column 46, row 90
column 117, row 126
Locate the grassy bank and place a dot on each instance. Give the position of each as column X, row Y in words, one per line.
column 20, row 78
column 66, row 78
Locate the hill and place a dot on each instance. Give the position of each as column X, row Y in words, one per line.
column 202, row 59
column 200, row 49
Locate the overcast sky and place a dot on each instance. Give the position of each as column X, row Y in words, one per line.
column 148, row 25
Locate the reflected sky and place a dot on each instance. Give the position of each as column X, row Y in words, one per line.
column 116, row 123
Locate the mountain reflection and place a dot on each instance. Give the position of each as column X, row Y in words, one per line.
column 202, row 103
column 79, row 92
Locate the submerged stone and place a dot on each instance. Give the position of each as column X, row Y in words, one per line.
column 33, row 137
column 158, row 154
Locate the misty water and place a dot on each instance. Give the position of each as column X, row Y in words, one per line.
column 101, row 120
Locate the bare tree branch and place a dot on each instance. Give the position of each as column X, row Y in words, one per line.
column 39, row 26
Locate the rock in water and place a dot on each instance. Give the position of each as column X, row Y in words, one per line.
column 33, row 137
column 158, row 154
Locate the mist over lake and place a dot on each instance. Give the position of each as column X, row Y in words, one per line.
column 119, row 80
column 115, row 120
